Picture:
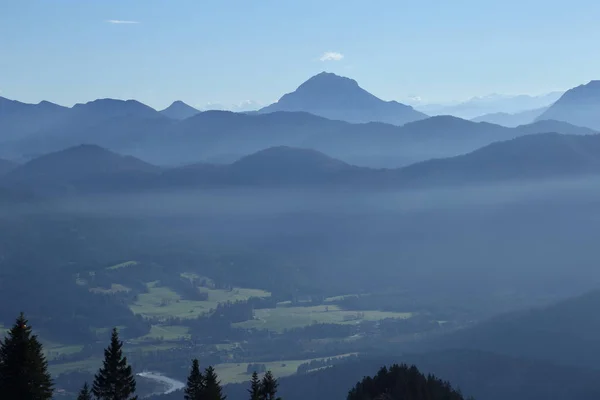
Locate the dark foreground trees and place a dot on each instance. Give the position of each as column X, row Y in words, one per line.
column 403, row 382
column 194, row 389
column 203, row 386
column 23, row 367
column 114, row 380
column 85, row 393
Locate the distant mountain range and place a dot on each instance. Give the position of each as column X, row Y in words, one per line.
column 179, row 110
column 181, row 135
column 492, row 104
column 578, row 106
column 511, row 120
column 340, row 98
column 90, row 168
column 17, row 120
column 133, row 128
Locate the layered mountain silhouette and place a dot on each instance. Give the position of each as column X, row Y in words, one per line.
column 340, row 98
column 578, row 106
column 179, row 110
column 537, row 156
column 91, row 168
column 17, row 119
column 511, row 119
column 491, row 104
column 86, row 167
column 549, row 125
column 130, row 127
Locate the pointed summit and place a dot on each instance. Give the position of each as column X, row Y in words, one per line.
column 336, row 97
column 578, row 106
column 179, row 110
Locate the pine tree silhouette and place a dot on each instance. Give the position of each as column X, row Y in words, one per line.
column 23, row 367
column 196, row 386
column 84, row 393
column 213, row 389
column 115, row 380
column 255, row 387
column 269, row 387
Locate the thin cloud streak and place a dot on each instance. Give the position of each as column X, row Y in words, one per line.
column 120, row 21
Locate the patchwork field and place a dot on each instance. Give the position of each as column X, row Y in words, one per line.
column 163, row 302
column 167, row 333
column 281, row 318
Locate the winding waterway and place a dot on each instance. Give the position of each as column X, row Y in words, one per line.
column 171, row 384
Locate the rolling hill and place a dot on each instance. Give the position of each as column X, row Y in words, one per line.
column 565, row 333
column 538, row 156
column 84, row 167
column 531, row 157
column 340, row 98
column 579, row 106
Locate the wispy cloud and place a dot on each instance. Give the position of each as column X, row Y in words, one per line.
column 331, row 56
column 120, row 21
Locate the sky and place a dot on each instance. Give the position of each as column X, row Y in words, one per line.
column 233, row 51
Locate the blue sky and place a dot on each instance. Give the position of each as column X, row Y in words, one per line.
column 226, row 51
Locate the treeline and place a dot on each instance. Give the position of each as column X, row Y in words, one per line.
column 62, row 303
column 24, row 373
column 403, row 382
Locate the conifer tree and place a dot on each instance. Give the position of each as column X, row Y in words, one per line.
column 23, row 367
column 84, row 393
column 255, row 387
column 213, row 389
column 115, row 380
column 268, row 387
column 195, row 387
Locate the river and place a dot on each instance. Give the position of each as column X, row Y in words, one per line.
column 171, row 384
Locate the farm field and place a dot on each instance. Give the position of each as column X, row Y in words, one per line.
column 163, row 302
column 281, row 318
column 166, row 333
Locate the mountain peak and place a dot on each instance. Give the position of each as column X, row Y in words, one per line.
column 578, row 106
column 328, row 79
column 340, row 98
column 179, row 110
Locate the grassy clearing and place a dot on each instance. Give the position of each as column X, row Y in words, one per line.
column 87, row 365
column 278, row 319
column 340, row 298
column 124, row 265
column 146, row 348
column 237, row 373
column 167, row 333
column 163, row 302
column 114, row 288
column 216, row 296
column 53, row 350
